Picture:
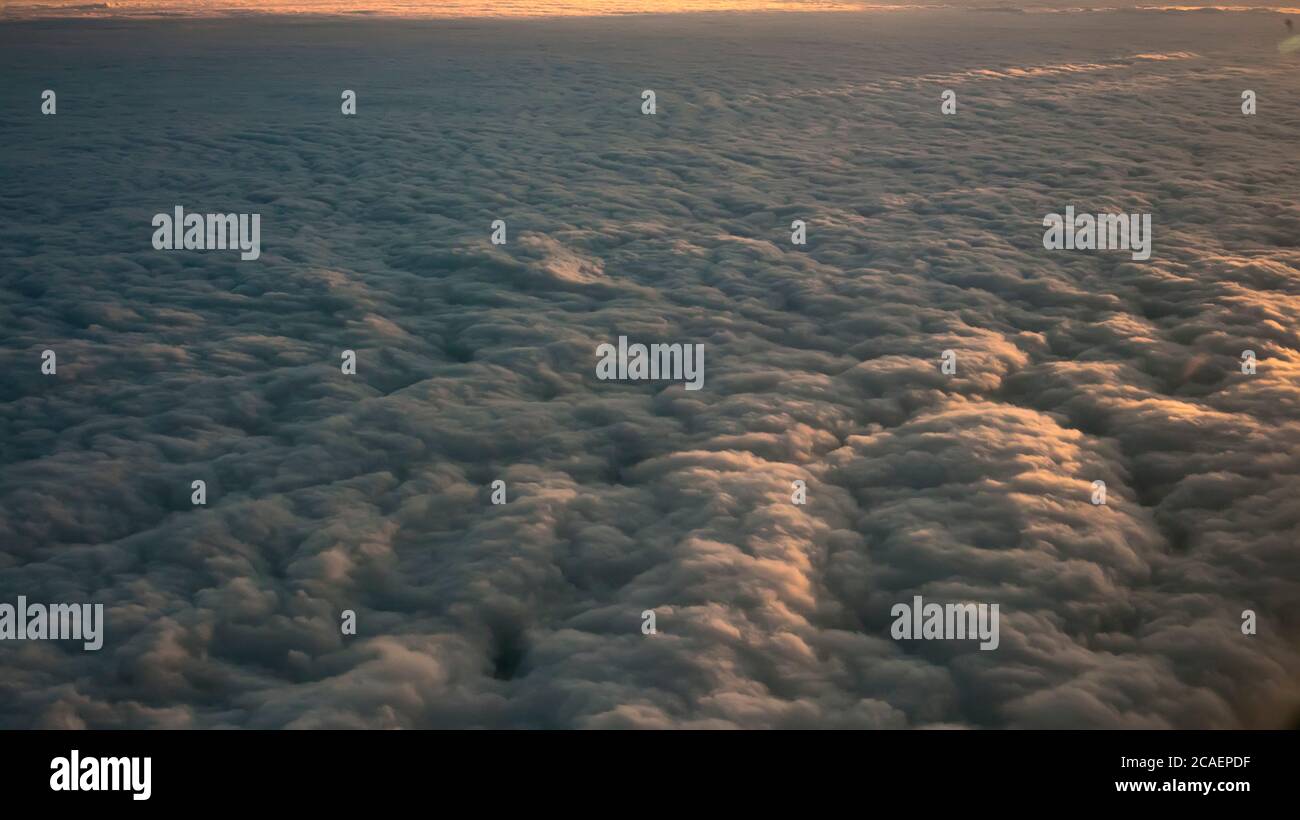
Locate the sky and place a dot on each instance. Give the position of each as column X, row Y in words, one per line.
column 370, row 493
column 546, row 8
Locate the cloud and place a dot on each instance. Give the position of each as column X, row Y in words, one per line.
column 476, row 362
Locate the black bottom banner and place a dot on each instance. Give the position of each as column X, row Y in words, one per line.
column 141, row 771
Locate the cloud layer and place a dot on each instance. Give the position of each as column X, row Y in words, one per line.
column 476, row 362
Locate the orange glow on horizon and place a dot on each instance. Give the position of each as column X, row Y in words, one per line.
column 418, row 8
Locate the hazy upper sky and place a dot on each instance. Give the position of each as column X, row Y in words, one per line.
column 475, row 8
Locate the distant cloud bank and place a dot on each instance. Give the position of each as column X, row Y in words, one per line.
column 27, row 9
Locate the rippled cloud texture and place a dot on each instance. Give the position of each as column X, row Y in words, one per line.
column 329, row 492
